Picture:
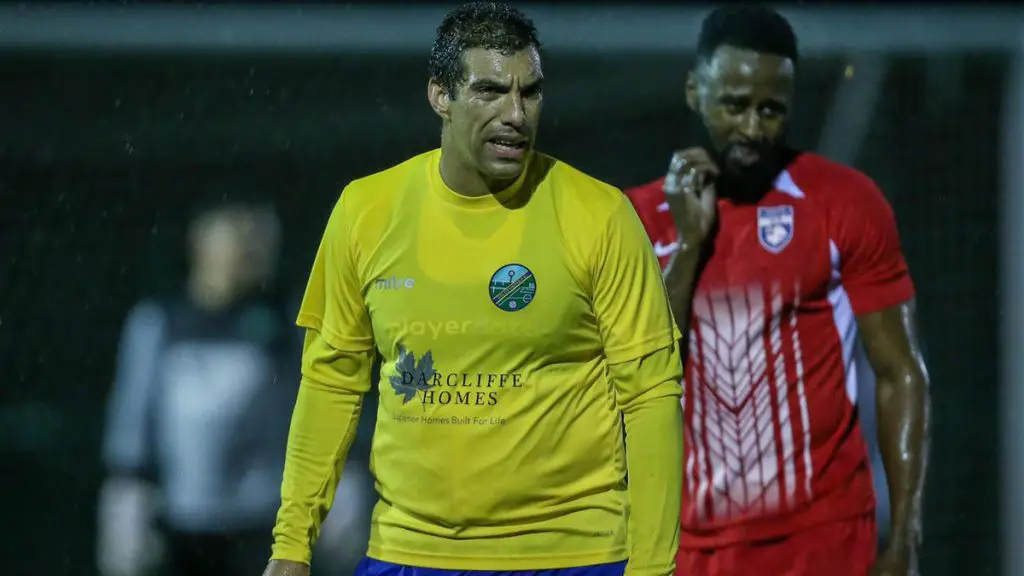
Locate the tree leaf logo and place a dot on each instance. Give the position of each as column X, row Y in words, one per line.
column 412, row 377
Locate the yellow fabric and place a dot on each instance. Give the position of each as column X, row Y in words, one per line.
column 499, row 441
column 322, row 430
column 654, row 453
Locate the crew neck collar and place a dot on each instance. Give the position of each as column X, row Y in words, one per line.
column 486, row 201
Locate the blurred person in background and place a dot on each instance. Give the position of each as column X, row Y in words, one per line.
column 778, row 260
column 522, row 320
column 198, row 415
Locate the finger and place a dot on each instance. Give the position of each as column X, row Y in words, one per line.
column 674, row 178
column 689, row 172
column 697, row 157
column 701, row 158
column 691, row 180
column 709, row 199
column 685, row 184
column 677, row 163
column 673, row 184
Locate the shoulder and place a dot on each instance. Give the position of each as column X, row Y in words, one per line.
column 381, row 188
column 648, row 200
column 647, row 196
column 833, row 184
column 147, row 317
column 150, row 310
column 581, row 194
column 367, row 203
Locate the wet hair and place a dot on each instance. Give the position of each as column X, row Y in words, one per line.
column 748, row 27
column 488, row 25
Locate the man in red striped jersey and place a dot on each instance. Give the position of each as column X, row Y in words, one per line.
column 780, row 261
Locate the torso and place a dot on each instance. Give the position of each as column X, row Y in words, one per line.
column 771, row 433
column 491, row 356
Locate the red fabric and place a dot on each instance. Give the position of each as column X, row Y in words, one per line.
column 845, row 548
column 773, row 444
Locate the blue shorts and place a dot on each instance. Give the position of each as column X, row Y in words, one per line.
column 371, row 567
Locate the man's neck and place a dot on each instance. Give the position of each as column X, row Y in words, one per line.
column 743, row 190
column 465, row 180
column 751, row 188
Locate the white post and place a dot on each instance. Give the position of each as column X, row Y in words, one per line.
column 1012, row 326
column 853, row 107
column 846, row 129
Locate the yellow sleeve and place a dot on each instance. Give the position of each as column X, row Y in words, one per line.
column 336, row 363
column 333, row 303
column 323, row 427
column 654, row 459
column 629, row 295
column 641, row 343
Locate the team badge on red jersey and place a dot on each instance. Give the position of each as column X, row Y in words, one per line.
column 774, row 227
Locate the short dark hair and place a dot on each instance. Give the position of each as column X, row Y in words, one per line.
column 489, row 25
column 748, row 27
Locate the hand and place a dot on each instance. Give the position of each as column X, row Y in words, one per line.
column 895, row 562
column 127, row 543
column 690, row 191
column 286, row 568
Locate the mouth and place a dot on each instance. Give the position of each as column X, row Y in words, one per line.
column 509, row 147
column 743, row 155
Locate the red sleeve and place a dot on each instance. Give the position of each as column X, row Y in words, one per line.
column 874, row 272
column 645, row 203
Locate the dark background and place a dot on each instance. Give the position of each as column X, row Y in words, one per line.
column 101, row 157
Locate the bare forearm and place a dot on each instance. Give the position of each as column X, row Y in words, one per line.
column 903, row 439
column 680, row 281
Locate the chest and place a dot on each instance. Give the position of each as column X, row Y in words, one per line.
column 207, row 379
column 781, row 245
column 257, row 325
column 473, row 291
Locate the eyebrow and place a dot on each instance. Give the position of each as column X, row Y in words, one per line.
column 742, row 98
column 487, row 84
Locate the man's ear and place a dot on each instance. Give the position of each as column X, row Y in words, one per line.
column 439, row 99
column 692, row 92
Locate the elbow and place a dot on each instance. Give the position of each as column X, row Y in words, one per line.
column 903, row 385
column 665, row 394
column 651, row 380
column 337, row 371
column 903, row 405
column 126, row 455
column 130, row 469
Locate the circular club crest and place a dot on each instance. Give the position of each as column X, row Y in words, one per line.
column 512, row 287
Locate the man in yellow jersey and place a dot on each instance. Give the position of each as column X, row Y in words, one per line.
column 529, row 353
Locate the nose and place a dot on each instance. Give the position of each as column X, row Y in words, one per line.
column 514, row 112
column 750, row 126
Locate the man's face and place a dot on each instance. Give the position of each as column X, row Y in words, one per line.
column 493, row 115
column 744, row 99
column 220, row 251
column 236, row 251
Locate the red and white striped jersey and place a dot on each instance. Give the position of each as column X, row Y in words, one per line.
column 773, row 443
